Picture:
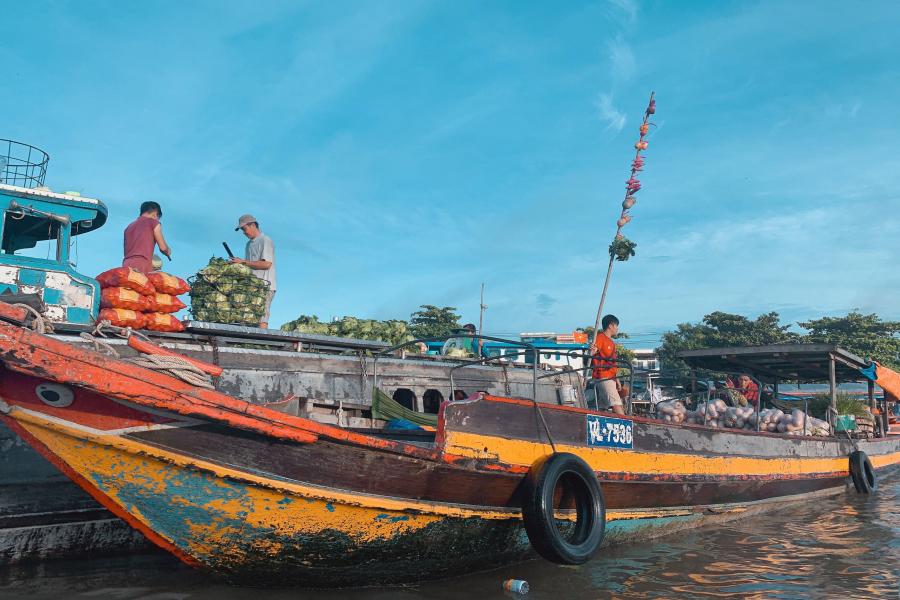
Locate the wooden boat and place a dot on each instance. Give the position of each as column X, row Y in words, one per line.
column 42, row 513
column 274, row 499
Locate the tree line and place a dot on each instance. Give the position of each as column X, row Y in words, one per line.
column 867, row 336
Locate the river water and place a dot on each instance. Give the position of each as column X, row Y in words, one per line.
column 843, row 546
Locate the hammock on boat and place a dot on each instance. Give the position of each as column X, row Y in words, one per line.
column 385, row 407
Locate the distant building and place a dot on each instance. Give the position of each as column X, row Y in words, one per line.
column 557, row 350
column 645, row 359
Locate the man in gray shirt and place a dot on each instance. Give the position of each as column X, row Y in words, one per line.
column 260, row 255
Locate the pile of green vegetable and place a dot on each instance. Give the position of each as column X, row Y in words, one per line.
column 225, row 292
column 393, row 331
column 622, row 248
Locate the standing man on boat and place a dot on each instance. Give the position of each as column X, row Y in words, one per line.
column 604, row 378
column 260, row 253
column 142, row 235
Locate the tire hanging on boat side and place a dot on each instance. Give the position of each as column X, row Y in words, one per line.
column 862, row 473
column 579, row 483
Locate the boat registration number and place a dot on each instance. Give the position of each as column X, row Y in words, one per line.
column 609, row 432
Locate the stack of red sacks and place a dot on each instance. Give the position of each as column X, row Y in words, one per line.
column 128, row 298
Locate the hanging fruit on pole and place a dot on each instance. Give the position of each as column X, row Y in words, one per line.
column 621, row 248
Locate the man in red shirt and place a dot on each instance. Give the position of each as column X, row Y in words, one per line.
column 142, row 236
column 603, row 360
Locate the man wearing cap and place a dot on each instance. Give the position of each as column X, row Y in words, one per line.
column 260, row 255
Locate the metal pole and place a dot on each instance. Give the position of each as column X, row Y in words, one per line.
column 832, row 389
column 630, row 388
column 706, row 409
column 806, row 413
column 481, row 320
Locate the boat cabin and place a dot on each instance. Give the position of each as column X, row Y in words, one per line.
column 39, row 229
column 779, row 364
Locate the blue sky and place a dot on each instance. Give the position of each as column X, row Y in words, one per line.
column 402, row 153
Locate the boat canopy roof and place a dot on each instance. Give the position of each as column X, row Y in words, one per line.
column 793, row 362
column 85, row 214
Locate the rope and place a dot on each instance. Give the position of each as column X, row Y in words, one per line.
column 171, row 365
column 174, row 366
column 99, row 345
column 123, row 332
column 364, row 375
column 38, row 323
column 507, row 390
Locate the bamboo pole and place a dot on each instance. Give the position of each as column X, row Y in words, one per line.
column 632, row 187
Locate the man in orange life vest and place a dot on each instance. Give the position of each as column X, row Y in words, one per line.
column 603, row 360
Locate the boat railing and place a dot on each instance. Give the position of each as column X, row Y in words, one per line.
column 527, row 348
column 22, row 165
column 587, row 368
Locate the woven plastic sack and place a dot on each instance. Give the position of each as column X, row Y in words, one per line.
column 164, row 303
column 162, row 322
column 126, row 277
column 168, row 284
column 119, row 297
column 122, row 317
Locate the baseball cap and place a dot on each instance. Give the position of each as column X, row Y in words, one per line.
column 244, row 220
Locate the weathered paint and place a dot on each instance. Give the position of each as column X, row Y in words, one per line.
column 69, row 296
column 263, row 531
column 251, row 531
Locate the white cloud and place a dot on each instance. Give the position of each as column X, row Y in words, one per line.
column 614, row 118
column 628, row 9
column 622, row 64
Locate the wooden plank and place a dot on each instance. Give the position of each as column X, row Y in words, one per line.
column 14, row 314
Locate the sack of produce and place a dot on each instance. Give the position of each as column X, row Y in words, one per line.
column 126, row 277
column 122, row 317
column 225, row 292
column 162, row 322
column 672, row 411
column 168, row 284
column 164, row 303
column 120, row 297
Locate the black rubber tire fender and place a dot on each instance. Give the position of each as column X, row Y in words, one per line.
column 862, row 473
column 580, row 484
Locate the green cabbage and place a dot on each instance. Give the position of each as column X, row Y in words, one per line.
column 393, row 331
column 224, row 292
